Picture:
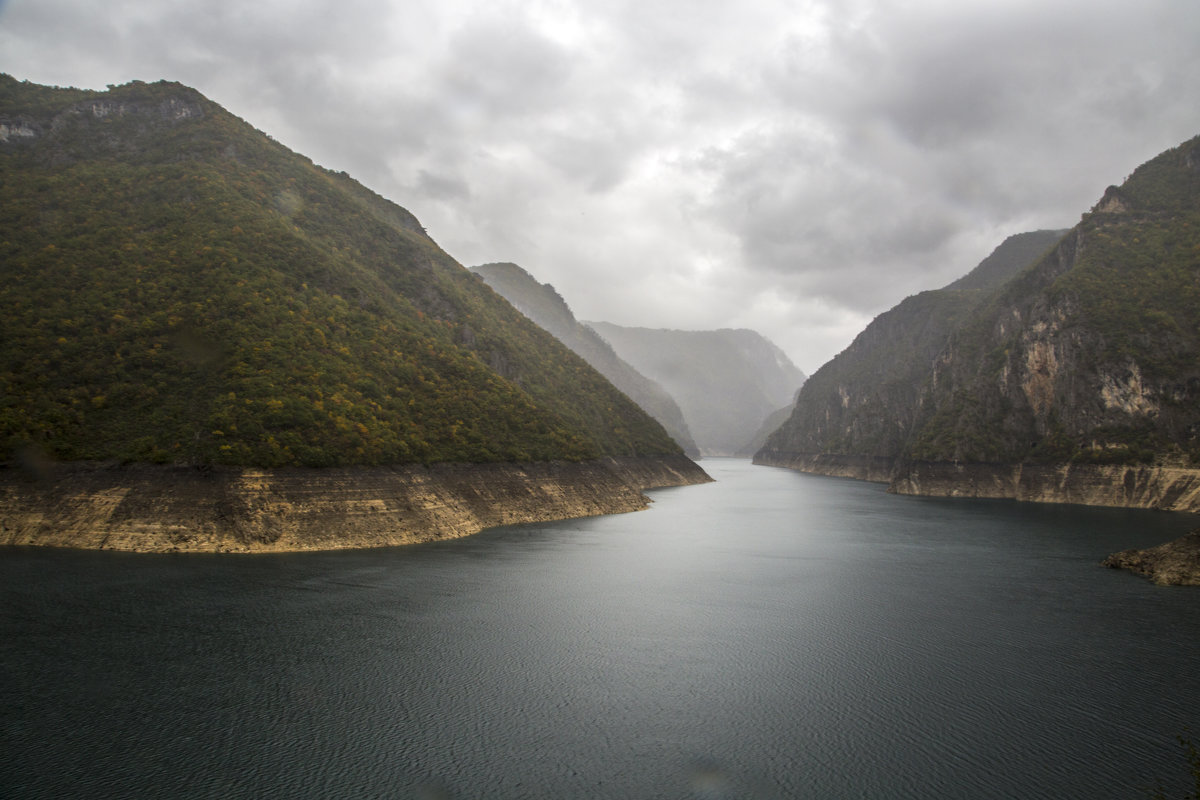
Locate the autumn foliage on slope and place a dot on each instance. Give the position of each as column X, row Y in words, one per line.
column 175, row 286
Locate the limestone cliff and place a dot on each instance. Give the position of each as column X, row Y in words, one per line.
column 865, row 406
column 1130, row 486
column 152, row 508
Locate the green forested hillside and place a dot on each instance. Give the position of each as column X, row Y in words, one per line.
column 176, row 286
column 866, row 401
column 1089, row 355
column 1093, row 355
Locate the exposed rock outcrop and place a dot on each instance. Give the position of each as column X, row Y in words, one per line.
column 1176, row 563
column 172, row 509
column 110, row 125
column 1126, row 486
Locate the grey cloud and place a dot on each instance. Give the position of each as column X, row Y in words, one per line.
column 501, row 68
column 598, row 164
column 440, row 187
column 908, row 128
column 792, row 165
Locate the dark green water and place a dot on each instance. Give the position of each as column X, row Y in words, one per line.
column 770, row 635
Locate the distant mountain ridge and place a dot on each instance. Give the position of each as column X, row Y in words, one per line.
column 1076, row 378
column 546, row 307
column 727, row 382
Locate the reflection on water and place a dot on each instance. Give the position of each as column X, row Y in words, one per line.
column 769, row 635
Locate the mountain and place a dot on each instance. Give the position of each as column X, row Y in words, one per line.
column 545, row 306
column 177, row 285
column 866, row 401
column 726, row 381
column 1075, row 379
column 769, row 425
column 178, row 288
column 1014, row 254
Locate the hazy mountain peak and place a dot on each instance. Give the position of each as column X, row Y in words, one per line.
column 546, row 307
column 727, row 381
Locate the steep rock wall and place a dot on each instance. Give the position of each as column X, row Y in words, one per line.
column 173, row 509
column 874, row 397
column 1139, row 486
column 1158, row 487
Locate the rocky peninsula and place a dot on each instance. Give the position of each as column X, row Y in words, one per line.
column 1176, row 563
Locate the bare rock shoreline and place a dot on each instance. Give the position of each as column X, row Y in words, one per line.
column 1176, row 563
column 1136, row 486
column 148, row 508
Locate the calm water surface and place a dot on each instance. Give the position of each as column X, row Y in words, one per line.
column 770, row 635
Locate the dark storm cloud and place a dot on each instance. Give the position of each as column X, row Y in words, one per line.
column 794, row 166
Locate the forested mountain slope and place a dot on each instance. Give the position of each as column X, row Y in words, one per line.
column 866, row 401
column 1083, row 368
column 542, row 304
column 177, row 287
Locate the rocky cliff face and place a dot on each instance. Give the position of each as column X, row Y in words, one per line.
column 1092, row 356
column 866, row 404
column 72, row 129
column 1129, row 486
column 1075, row 379
column 176, row 509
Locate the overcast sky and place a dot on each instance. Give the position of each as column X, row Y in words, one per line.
column 791, row 166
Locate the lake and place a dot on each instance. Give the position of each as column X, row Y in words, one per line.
column 773, row 635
